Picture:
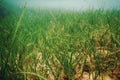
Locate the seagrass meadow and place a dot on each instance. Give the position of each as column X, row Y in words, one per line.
column 39, row 44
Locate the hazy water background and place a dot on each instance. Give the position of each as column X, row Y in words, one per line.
column 66, row 4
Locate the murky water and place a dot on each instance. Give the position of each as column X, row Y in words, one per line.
column 67, row 4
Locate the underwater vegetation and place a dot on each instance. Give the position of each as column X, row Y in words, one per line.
column 60, row 45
